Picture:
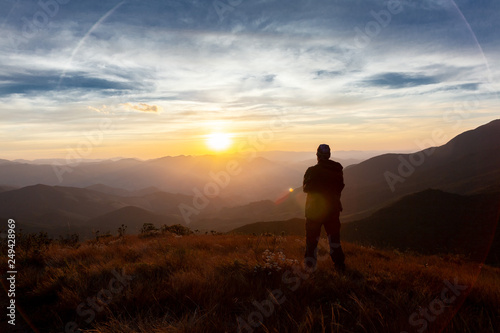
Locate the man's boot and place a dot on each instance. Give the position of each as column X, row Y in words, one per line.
column 338, row 259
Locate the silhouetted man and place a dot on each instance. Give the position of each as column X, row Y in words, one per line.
column 323, row 184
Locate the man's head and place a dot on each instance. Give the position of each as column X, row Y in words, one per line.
column 323, row 152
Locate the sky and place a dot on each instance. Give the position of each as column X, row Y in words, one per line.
column 100, row 79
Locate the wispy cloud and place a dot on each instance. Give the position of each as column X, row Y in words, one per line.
column 143, row 107
column 400, row 80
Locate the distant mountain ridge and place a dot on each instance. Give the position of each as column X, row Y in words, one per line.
column 257, row 178
column 61, row 210
column 5, row 188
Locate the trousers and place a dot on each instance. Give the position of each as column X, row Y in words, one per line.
column 332, row 227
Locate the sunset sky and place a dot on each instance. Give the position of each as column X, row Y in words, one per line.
column 153, row 78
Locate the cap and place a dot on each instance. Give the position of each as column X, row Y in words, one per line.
column 323, row 151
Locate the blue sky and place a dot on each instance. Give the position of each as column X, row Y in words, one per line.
column 363, row 74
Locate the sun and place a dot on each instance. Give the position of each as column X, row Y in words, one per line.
column 219, row 141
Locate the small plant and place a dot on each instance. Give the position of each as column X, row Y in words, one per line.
column 106, row 235
column 98, row 235
column 148, row 228
column 70, row 240
column 176, row 229
column 33, row 242
column 274, row 261
column 121, row 230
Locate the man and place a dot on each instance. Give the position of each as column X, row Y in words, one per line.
column 323, row 184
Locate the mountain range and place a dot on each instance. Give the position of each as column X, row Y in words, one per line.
column 103, row 194
column 258, row 177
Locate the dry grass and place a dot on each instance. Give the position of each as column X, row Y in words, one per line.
column 205, row 283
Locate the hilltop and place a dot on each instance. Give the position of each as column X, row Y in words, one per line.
column 167, row 283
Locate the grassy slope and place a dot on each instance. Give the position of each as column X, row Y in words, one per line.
column 204, row 283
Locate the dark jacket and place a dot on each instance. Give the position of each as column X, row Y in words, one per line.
column 323, row 184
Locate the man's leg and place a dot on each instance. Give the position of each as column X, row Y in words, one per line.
column 313, row 230
column 332, row 227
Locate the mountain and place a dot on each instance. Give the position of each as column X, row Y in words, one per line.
column 55, row 209
column 3, row 162
column 469, row 163
column 433, row 221
column 60, row 210
column 122, row 192
column 109, row 190
column 430, row 222
column 62, row 160
column 55, row 222
column 343, row 157
column 240, row 179
column 228, row 218
column 5, row 188
column 40, row 199
column 132, row 217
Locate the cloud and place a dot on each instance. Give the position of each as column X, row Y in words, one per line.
column 269, row 78
column 322, row 74
column 33, row 82
column 465, row 86
column 400, row 80
column 143, row 107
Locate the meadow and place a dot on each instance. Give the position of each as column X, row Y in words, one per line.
column 164, row 282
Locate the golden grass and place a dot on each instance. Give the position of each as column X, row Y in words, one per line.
column 205, row 283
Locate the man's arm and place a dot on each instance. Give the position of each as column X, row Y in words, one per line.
column 337, row 179
column 341, row 183
column 306, row 184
